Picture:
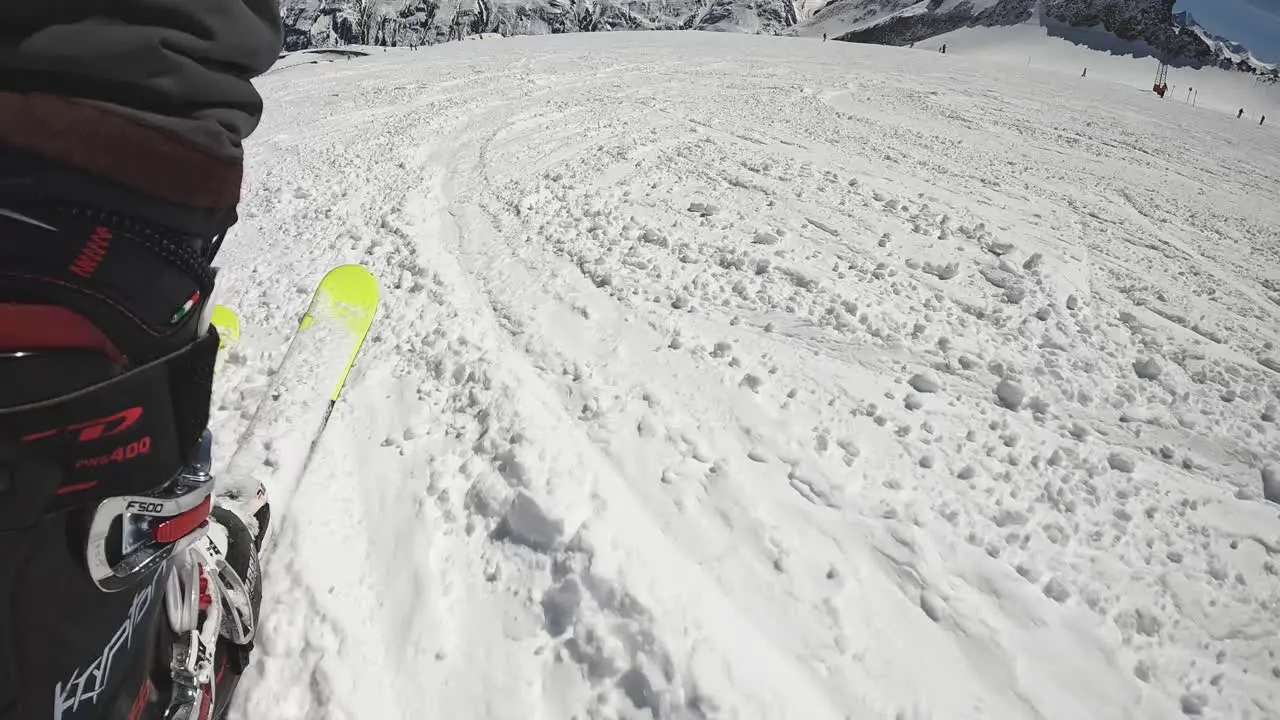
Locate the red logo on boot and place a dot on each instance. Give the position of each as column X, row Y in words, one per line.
column 94, row 429
column 92, row 254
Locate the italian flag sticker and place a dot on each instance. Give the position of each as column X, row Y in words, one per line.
column 186, row 308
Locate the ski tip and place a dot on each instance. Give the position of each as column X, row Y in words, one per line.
column 349, row 296
column 227, row 323
column 351, row 276
column 350, row 292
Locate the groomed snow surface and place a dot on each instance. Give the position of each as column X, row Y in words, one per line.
column 743, row 377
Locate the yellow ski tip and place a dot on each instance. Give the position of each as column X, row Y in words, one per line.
column 348, row 295
column 228, row 324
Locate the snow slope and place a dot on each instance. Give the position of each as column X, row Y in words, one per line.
column 730, row 376
column 841, row 16
column 1035, row 53
column 309, row 57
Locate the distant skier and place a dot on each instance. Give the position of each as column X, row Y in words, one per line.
column 1085, row 73
column 120, row 173
column 943, row 50
column 1240, row 114
column 1264, row 119
column 824, row 37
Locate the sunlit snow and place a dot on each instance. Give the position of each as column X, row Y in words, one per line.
column 726, row 376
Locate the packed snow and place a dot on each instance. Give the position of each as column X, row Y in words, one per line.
column 727, row 376
column 1044, row 53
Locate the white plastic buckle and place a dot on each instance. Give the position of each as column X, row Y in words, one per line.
column 127, row 537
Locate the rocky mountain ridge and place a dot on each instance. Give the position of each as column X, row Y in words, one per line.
column 1146, row 26
column 1150, row 23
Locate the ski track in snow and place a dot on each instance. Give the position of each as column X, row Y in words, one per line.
column 683, row 401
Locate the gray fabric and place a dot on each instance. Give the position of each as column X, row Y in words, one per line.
column 183, row 65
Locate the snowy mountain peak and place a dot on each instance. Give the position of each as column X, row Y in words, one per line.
column 1226, row 51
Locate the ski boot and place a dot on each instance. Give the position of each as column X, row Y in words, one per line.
column 106, row 502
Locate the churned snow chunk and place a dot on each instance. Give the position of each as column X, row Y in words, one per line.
column 1010, row 394
column 653, row 237
column 926, row 381
column 1271, row 483
column 560, row 605
column 1194, row 703
column 1147, row 368
column 527, row 523
column 488, row 495
column 997, row 277
column 942, row 272
column 1010, row 517
column 1147, row 623
column 1247, row 493
column 1121, row 461
column 995, row 247
column 1056, row 590
column 932, row 606
column 1073, row 302
column 765, row 238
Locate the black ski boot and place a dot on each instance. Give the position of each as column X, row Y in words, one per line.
column 106, row 368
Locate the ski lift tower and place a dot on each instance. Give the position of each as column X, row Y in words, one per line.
column 1162, row 76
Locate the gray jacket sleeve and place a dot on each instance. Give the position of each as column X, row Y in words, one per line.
column 136, row 105
column 187, row 62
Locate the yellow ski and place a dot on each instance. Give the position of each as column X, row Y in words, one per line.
column 287, row 424
column 348, row 296
column 228, row 325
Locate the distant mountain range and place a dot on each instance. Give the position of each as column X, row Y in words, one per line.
column 1147, row 24
column 1151, row 24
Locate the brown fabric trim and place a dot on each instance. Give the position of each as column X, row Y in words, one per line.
column 110, row 145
